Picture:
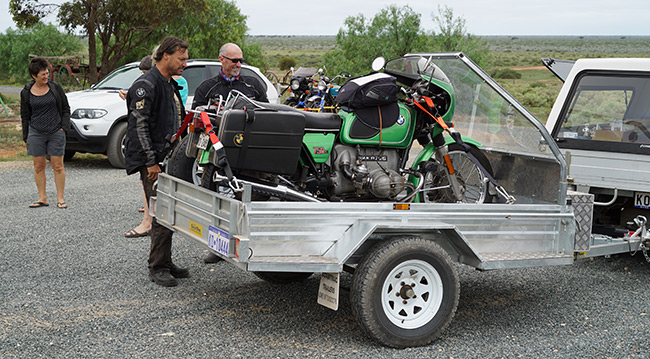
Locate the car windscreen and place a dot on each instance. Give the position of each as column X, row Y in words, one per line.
column 121, row 78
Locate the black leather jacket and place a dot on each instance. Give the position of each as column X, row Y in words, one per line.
column 61, row 104
column 152, row 119
column 217, row 85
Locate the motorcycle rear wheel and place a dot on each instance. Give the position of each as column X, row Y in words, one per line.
column 472, row 179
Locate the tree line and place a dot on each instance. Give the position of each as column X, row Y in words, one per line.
column 120, row 31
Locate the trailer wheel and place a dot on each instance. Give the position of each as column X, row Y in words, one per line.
column 405, row 292
column 283, row 277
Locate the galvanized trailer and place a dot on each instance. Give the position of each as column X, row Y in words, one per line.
column 405, row 289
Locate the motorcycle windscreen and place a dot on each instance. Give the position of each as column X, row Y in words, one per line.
column 263, row 141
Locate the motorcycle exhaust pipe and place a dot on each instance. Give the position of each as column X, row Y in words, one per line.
column 279, row 190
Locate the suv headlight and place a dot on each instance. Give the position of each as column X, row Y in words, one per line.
column 88, row 113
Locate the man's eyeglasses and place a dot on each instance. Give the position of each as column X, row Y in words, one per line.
column 234, row 60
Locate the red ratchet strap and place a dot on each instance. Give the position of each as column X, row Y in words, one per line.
column 209, row 130
column 429, row 102
column 217, row 146
column 186, row 121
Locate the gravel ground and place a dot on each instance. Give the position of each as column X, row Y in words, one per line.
column 73, row 287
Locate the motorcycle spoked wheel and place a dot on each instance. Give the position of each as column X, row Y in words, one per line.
column 471, row 179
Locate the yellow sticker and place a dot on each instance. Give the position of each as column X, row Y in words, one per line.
column 196, row 229
column 139, row 105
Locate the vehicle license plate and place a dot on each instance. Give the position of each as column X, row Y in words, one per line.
column 219, row 241
column 642, row 200
column 203, row 141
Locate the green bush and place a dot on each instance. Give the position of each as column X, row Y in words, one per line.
column 505, row 74
column 537, row 84
column 286, row 63
column 42, row 40
column 535, row 99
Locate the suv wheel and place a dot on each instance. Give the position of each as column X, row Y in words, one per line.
column 115, row 148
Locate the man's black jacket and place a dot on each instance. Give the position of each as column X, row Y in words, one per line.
column 215, row 86
column 152, row 119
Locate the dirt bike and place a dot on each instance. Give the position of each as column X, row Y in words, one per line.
column 360, row 153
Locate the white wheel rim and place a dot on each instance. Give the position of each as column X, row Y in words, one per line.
column 412, row 294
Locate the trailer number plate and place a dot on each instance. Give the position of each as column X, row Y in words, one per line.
column 202, row 143
column 642, row 200
column 219, row 241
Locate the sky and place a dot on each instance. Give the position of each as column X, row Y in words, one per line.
column 495, row 17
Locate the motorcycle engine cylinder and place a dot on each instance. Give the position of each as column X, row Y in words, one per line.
column 386, row 183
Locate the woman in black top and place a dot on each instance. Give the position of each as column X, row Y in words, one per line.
column 45, row 112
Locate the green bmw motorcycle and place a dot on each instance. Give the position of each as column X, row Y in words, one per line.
column 387, row 143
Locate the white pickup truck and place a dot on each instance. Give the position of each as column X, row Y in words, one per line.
column 601, row 122
column 405, row 288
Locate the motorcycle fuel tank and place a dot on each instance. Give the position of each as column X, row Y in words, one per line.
column 395, row 131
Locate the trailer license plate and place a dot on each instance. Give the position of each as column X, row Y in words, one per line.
column 219, row 241
column 202, row 143
column 642, row 200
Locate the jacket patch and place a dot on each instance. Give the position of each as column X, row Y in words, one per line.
column 139, row 105
column 140, row 92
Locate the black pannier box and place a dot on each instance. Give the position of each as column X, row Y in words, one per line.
column 262, row 140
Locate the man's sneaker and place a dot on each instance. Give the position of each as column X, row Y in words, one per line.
column 212, row 258
column 163, row 278
column 178, row 272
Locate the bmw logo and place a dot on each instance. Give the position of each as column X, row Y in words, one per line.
column 140, row 92
column 238, row 139
column 401, row 120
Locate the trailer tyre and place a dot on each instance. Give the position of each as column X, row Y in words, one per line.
column 405, row 292
column 283, row 277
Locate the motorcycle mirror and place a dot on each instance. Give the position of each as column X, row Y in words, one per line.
column 378, row 63
column 422, row 64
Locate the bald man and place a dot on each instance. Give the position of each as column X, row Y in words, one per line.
column 229, row 78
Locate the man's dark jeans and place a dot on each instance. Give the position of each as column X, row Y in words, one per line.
column 160, row 255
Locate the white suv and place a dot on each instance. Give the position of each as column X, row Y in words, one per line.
column 98, row 115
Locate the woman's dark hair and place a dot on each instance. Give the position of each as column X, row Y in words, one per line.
column 36, row 65
column 169, row 45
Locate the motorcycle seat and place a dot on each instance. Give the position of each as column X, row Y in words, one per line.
column 321, row 121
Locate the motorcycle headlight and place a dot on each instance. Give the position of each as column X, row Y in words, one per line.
column 88, row 113
column 295, row 84
column 322, row 86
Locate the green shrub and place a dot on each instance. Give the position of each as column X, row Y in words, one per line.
column 505, row 74
column 535, row 99
column 286, row 63
column 537, row 84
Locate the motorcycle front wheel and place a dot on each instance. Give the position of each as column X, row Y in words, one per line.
column 473, row 181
